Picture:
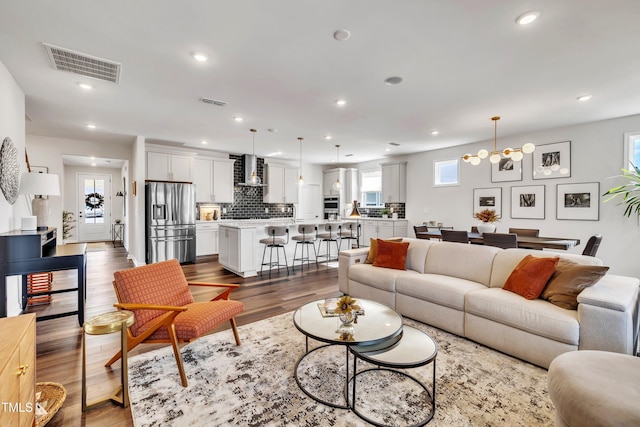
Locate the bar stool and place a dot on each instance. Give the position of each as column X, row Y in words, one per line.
column 308, row 233
column 102, row 324
column 275, row 241
column 350, row 231
column 332, row 234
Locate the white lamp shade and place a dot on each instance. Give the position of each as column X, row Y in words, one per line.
column 41, row 184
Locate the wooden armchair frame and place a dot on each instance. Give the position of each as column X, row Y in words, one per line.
column 167, row 320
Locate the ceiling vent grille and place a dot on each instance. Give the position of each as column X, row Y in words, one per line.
column 214, row 101
column 395, row 144
column 80, row 63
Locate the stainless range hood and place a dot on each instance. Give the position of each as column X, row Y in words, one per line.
column 250, row 165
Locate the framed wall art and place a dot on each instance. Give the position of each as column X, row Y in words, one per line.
column 506, row 170
column 487, row 198
column 552, row 161
column 578, row 201
column 528, row 202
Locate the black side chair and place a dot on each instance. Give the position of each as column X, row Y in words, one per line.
column 592, row 245
column 501, row 240
column 420, row 229
column 455, row 236
column 525, row 232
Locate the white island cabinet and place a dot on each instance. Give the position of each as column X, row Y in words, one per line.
column 237, row 249
column 206, row 238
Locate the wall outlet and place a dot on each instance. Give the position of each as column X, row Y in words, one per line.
column 391, row 210
column 288, row 209
column 224, row 210
column 266, row 210
column 283, row 209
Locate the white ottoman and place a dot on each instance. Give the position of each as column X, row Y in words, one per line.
column 595, row 388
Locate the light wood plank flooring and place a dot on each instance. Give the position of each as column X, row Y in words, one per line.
column 58, row 341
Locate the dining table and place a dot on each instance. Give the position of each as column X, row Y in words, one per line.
column 527, row 242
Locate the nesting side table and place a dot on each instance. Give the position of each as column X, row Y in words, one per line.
column 102, row 324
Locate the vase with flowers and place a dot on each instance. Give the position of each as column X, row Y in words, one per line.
column 347, row 312
column 487, row 218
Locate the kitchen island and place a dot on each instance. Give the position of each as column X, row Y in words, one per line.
column 241, row 253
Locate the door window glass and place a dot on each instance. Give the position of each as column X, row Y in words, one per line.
column 94, row 201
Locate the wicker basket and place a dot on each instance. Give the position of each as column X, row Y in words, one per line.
column 52, row 396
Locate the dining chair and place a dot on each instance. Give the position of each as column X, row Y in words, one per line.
column 528, row 232
column 501, row 240
column 592, row 245
column 455, row 236
column 420, row 229
column 164, row 309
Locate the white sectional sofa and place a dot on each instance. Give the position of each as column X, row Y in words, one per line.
column 458, row 288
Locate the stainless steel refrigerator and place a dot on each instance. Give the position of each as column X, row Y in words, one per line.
column 170, row 221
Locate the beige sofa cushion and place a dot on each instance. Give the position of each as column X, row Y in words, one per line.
column 508, row 259
column 538, row 317
column 417, row 254
column 442, row 290
column 377, row 277
column 464, row 261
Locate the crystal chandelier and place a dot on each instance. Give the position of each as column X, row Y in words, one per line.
column 515, row 154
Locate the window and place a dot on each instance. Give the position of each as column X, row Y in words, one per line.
column 631, row 149
column 446, row 172
column 371, row 188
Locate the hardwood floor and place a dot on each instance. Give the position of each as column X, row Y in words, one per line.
column 58, row 341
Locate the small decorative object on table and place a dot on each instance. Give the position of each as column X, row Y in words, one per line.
column 347, row 311
column 488, row 217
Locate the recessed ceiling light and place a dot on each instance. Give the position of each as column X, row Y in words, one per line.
column 90, row 126
column 584, row 98
column 527, row 17
column 328, row 137
column 200, row 57
column 93, row 164
column 341, row 35
column 272, row 130
column 395, row 80
column 203, row 142
column 341, row 102
column 238, row 119
column 85, row 86
column 434, row 132
column 387, row 149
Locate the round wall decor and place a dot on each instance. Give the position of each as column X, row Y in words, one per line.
column 9, row 171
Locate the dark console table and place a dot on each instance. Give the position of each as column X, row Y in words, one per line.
column 28, row 252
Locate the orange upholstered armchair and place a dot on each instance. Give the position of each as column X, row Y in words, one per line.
column 165, row 310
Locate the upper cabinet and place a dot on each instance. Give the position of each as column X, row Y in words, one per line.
column 330, row 177
column 169, row 167
column 349, row 184
column 282, row 186
column 394, row 182
column 214, row 180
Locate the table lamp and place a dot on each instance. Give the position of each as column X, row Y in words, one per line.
column 40, row 185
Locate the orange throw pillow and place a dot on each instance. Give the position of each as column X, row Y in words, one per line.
column 531, row 276
column 373, row 251
column 391, row 255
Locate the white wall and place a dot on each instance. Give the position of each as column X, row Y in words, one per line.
column 12, row 125
column 596, row 156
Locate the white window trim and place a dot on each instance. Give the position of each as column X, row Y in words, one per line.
column 435, row 173
column 628, row 137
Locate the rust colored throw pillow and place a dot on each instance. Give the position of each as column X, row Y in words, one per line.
column 392, row 255
column 569, row 280
column 373, row 251
column 530, row 276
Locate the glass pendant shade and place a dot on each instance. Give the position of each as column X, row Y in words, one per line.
column 482, row 154
column 254, row 179
column 528, row 148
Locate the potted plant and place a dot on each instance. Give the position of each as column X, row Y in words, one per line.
column 487, row 218
column 630, row 191
column 67, row 224
column 385, row 213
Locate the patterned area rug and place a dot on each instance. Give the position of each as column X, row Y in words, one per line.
column 254, row 384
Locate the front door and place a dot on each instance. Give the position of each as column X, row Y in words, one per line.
column 94, row 207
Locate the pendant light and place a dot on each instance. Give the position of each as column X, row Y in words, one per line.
column 337, row 186
column 355, row 213
column 495, row 156
column 300, row 180
column 254, row 179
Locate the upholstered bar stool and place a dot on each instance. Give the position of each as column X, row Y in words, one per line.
column 107, row 323
column 350, row 231
column 307, row 236
column 275, row 240
column 331, row 234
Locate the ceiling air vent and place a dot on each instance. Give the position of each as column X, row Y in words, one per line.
column 395, row 144
column 213, row 101
column 80, row 63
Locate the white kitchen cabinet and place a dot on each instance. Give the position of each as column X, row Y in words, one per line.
column 169, row 167
column 329, row 178
column 281, row 183
column 237, row 249
column 214, row 180
column 394, row 182
column 206, row 239
column 382, row 229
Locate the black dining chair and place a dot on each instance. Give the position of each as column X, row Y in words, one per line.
column 454, row 236
column 592, row 245
column 420, row 229
column 525, row 232
column 500, row 240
